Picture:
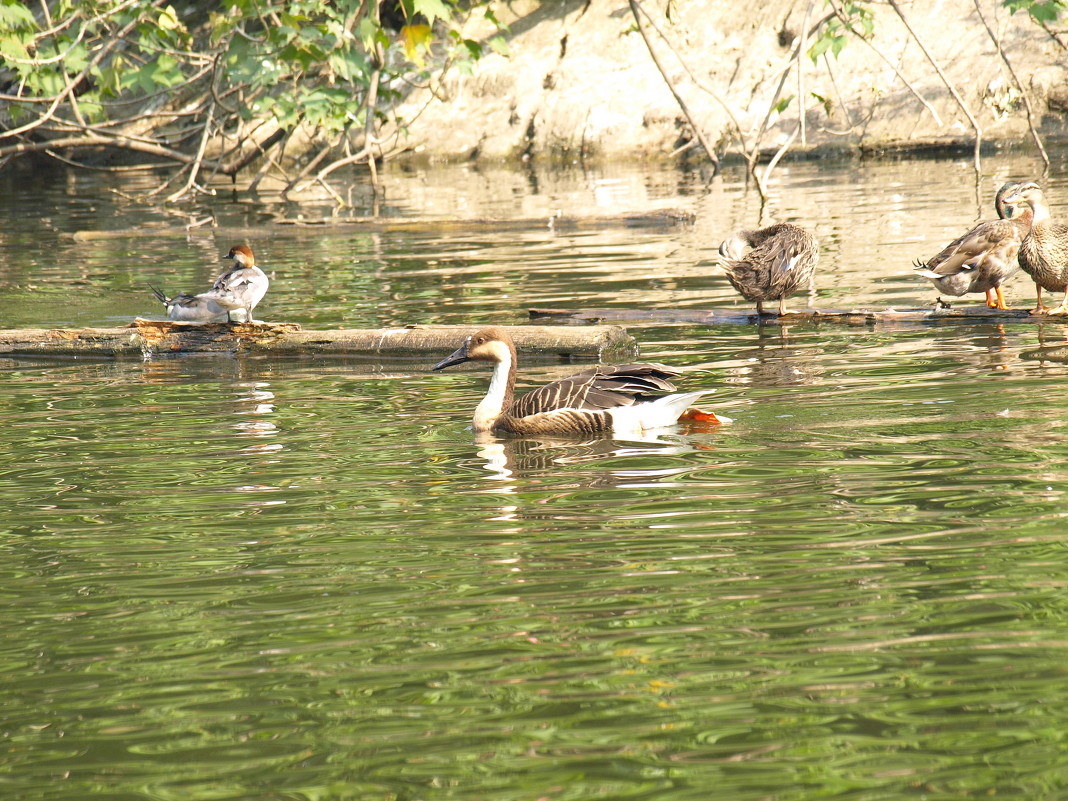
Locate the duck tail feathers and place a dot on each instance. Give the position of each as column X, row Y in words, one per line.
column 159, row 294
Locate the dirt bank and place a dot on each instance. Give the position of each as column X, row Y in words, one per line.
column 579, row 81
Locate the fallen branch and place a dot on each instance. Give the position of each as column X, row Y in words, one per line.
column 852, row 317
column 154, row 338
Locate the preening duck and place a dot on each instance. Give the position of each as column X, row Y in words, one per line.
column 1044, row 252
column 243, row 285
column 238, row 289
column 187, row 308
column 985, row 257
column 782, row 258
column 619, row 399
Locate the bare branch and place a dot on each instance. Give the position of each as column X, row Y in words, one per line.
column 1023, row 91
column 195, row 167
column 709, row 151
column 952, row 89
column 886, row 60
column 96, row 140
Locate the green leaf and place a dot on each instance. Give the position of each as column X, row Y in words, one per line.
column 498, row 45
column 431, row 9
column 781, row 106
column 14, row 16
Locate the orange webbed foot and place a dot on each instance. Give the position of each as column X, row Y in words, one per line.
column 695, row 415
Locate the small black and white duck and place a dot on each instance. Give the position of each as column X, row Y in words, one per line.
column 621, row 399
column 782, row 258
column 985, row 257
column 1044, row 252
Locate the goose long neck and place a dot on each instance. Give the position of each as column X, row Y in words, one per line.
column 1041, row 210
column 498, row 400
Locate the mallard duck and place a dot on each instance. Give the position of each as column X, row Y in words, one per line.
column 984, row 258
column 238, row 289
column 620, row 399
column 1044, row 252
column 782, row 258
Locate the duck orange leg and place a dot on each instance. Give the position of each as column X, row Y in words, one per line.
column 991, row 300
column 1001, row 304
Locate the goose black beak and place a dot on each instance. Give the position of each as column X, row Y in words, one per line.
column 458, row 356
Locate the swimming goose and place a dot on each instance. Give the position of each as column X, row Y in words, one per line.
column 243, row 285
column 783, row 257
column 985, row 257
column 1044, row 252
column 238, row 289
column 600, row 399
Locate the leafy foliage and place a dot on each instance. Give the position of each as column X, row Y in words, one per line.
column 92, row 67
column 1041, row 11
column 855, row 19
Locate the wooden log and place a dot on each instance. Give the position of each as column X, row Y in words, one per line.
column 145, row 339
column 852, row 317
column 664, row 218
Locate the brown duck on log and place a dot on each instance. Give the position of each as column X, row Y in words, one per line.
column 985, row 257
column 782, row 258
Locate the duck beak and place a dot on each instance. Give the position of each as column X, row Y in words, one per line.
column 458, row 356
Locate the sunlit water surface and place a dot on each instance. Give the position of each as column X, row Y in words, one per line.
column 243, row 579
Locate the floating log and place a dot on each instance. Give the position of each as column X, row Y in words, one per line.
column 852, row 317
column 664, row 218
column 144, row 339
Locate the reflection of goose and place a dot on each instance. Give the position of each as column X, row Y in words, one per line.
column 601, row 399
column 783, row 257
column 984, row 258
column 1044, row 252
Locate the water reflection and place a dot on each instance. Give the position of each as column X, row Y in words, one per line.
column 243, row 578
column 773, row 361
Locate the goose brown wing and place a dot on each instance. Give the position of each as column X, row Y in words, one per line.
column 601, row 387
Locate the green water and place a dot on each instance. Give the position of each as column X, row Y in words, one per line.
column 305, row 580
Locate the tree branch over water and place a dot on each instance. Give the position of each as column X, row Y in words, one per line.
column 138, row 77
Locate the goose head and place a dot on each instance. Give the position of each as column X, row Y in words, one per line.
column 242, row 255
column 488, row 345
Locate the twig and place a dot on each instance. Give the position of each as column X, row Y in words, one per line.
column 841, row 97
column 121, row 168
column 195, row 168
column 96, row 140
column 886, row 60
column 952, row 90
column 1023, row 91
column 802, row 49
column 259, row 148
column 762, row 179
column 709, row 151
